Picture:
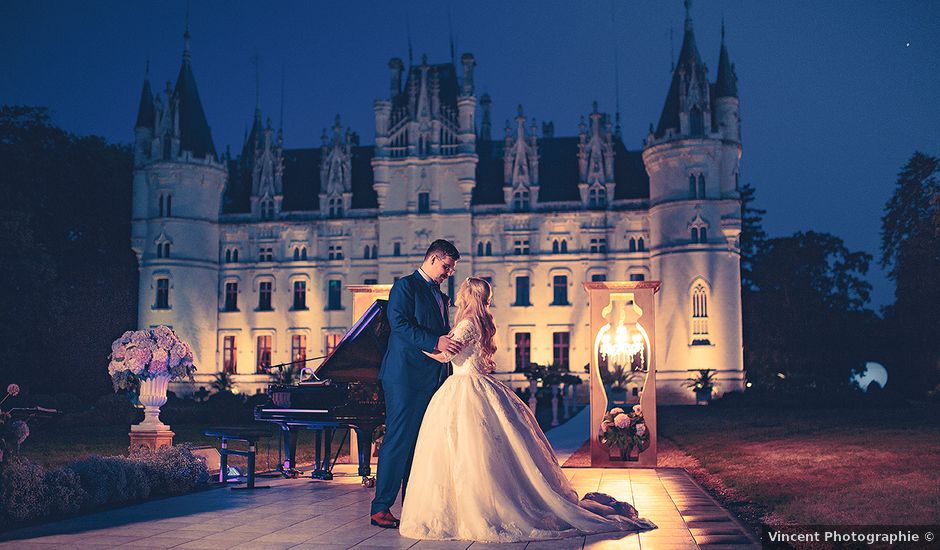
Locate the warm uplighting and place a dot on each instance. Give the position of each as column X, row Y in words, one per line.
column 623, row 346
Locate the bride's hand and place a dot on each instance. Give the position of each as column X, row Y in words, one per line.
column 437, row 355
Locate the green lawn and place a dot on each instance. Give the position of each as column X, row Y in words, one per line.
column 812, row 466
column 57, row 446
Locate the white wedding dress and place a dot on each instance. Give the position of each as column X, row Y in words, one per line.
column 484, row 471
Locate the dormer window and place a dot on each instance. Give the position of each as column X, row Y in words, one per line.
column 335, row 207
column 267, row 209
column 597, row 197
column 520, row 200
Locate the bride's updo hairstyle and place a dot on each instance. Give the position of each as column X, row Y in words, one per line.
column 473, row 301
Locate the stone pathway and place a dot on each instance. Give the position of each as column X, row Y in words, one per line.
column 302, row 514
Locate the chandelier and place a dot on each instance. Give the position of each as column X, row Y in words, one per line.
column 622, row 346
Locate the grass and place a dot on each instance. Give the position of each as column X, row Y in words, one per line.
column 58, row 446
column 847, row 466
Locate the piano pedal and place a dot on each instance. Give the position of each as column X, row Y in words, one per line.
column 368, row 482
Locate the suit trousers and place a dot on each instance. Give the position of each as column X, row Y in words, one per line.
column 404, row 411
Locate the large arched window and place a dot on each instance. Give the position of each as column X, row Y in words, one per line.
column 489, row 248
column 701, row 186
column 555, row 247
column 480, row 248
column 699, row 310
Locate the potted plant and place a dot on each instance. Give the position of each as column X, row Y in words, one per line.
column 703, row 384
column 625, row 431
column 149, row 359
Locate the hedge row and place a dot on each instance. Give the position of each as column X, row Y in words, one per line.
column 28, row 491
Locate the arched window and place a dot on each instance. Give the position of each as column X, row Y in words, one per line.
column 564, row 246
column 365, row 252
column 228, row 255
column 303, row 253
column 699, row 300
column 166, row 250
column 701, row 186
column 375, row 251
column 169, row 206
column 632, row 244
column 640, row 245
column 480, row 248
column 235, row 256
column 555, row 247
column 691, row 186
column 703, row 235
column 489, row 248
column 159, row 250
column 296, row 254
column 161, row 206
column 695, row 234
column 696, row 122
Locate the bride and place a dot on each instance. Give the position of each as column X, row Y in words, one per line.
column 483, row 470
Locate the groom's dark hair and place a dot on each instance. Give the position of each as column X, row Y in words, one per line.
column 441, row 247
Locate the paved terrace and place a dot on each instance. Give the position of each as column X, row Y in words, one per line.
column 307, row 514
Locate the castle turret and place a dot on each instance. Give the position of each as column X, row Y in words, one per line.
column 143, row 128
column 694, row 220
column 176, row 203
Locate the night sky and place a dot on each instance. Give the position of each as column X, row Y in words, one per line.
column 835, row 96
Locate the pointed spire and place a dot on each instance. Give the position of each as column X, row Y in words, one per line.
column 727, row 82
column 145, row 112
column 410, row 50
column 195, row 135
column 688, row 69
column 450, row 29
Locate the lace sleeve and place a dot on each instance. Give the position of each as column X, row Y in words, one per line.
column 465, row 333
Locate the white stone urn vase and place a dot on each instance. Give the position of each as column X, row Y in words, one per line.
column 152, row 397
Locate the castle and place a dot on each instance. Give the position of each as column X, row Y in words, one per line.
column 248, row 258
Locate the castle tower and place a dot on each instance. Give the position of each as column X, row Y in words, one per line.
column 178, row 183
column 692, row 159
column 424, row 164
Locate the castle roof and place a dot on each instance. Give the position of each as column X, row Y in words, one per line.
column 195, row 135
column 145, row 112
column 558, row 169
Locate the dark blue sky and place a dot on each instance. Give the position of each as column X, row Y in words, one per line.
column 835, row 96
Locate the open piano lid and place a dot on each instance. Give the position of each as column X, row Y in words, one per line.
column 359, row 354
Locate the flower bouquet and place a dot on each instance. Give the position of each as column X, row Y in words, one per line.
column 147, row 354
column 627, row 431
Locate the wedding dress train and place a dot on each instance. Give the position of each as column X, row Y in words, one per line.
column 484, row 471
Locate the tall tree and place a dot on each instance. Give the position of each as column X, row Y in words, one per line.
column 753, row 237
column 805, row 319
column 67, row 261
column 910, row 246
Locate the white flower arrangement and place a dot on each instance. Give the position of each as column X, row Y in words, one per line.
column 146, row 354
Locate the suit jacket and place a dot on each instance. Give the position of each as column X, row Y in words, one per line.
column 416, row 324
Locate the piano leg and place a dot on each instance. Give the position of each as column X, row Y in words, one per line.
column 289, row 437
column 322, row 468
column 364, row 440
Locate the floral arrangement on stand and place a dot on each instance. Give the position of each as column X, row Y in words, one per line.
column 140, row 355
column 626, row 431
column 12, row 432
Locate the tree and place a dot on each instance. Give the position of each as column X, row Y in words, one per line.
column 910, row 246
column 805, row 321
column 753, row 237
column 68, row 274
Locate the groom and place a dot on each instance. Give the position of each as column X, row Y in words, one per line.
column 417, row 313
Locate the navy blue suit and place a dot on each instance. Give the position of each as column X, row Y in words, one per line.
column 409, row 379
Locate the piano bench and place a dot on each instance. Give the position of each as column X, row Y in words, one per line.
column 249, row 436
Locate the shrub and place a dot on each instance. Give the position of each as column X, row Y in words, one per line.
column 63, row 491
column 103, row 479
column 172, row 470
column 22, row 491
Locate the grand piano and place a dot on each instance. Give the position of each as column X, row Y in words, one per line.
column 342, row 392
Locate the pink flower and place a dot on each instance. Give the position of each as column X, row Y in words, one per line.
column 637, row 410
column 13, row 390
column 177, row 354
column 615, row 411
column 137, row 358
column 158, row 362
column 622, row 421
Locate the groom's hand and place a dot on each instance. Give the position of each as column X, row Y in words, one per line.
column 449, row 345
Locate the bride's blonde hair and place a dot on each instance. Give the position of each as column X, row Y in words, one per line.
column 473, row 303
